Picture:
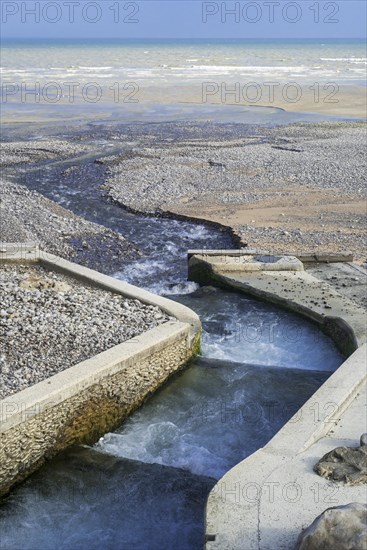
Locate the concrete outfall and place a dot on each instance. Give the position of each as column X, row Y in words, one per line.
column 83, row 402
column 305, row 257
column 296, row 290
column 268, row 499
column 248, row 262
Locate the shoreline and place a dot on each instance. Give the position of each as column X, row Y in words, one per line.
column 188, row 103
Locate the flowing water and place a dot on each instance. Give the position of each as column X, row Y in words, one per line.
column 144, row 486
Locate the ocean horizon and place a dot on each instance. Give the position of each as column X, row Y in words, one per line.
column 288, row 74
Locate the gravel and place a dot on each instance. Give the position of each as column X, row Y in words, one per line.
column 275, row 187
column 347, row 279
column 297, row 241
column 50, row 322
column 299, row 188
column 29, row 216
column 18, row 153
column 152, row 178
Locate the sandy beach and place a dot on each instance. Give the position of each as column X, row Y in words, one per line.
column 214, row 99
column 324, row 98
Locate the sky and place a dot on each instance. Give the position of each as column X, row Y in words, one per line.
column 189, row 19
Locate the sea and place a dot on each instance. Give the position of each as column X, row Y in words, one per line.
column 155, row 79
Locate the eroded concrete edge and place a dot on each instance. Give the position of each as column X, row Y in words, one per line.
column 27, row 403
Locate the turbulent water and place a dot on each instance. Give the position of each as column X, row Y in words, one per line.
column 87, row 500
column 212, row 416
column 145, row 485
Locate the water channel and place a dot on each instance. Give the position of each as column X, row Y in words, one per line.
column 144, row 486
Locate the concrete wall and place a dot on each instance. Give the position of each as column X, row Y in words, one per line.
column 296, row 290
column 235, row 519
column 244, row 507
column 85, row 401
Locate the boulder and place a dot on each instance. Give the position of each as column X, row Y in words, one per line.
column 338, row 528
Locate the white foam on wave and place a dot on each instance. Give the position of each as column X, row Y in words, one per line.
column 101, row 68
column 178, row 289
column 152, row 275
column 164, row 443
column 139, row 269
column 351, row 59
column 208, row 419
column 240, row 330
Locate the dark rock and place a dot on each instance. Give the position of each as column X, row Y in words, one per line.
column 348, row 464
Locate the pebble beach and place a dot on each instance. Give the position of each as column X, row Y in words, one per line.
column 295, row 188
column 280, row 189
column 51, row 322
column 120, row 153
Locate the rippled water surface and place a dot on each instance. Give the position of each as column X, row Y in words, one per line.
column 154, row 62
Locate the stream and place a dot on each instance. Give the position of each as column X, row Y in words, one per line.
column 144, row 486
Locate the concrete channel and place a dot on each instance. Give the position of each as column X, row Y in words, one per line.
column 266, row 500
column 81, row 403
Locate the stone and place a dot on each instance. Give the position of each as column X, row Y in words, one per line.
column 338, row 528
column 348, row 464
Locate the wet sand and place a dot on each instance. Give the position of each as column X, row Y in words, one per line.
column 285, row 103
column 342, row 100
